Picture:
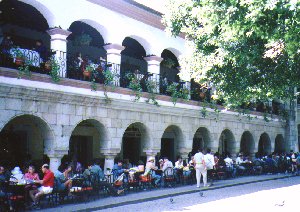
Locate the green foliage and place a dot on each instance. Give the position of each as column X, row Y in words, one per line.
column 248, row 49
column 82, row 40
column 151, row 89
column 172, row 89
column 55, row 70
column 204, row 112
column 135, row 85
column 93, row 85
column 108, row 81
column 24, row 69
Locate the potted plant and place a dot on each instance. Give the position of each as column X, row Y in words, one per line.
column 18, row 55
column 88, row 71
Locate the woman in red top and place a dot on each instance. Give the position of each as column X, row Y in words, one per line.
column 31, row 175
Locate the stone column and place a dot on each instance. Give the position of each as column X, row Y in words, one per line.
column 154, row 69
column 184, row 152
column 113, row 52
column 109, row 156
column 59, row 45
column 151, row 153
column 55, row 159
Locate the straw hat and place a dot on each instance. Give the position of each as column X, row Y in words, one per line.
column 151, row 159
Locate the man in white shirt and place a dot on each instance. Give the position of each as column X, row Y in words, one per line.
column 200, row 168
column 210, row 163
column 231, row 171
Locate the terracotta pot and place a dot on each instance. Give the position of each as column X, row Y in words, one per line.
column 87, row 74
column 19, row 61
column 48, row 66
column 202, row 95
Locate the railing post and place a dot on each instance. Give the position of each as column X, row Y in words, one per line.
column 114, row 60
column 154, row 69
column 59, row 46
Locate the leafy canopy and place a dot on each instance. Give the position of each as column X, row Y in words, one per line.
column 248, row 49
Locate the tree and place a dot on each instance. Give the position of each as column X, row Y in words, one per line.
column 248, row 49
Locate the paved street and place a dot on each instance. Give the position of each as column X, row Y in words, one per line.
column 275, row 195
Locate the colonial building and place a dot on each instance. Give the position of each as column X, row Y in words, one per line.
column 42, row 118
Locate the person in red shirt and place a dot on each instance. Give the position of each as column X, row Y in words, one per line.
column 47, row 185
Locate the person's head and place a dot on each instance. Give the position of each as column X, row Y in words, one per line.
column 31, row 169
column 45, row 168
column 38, row 42
column 166, row 159
column 2, row 169
column 208, row 150
column 161, row 161
column 151, row 160
column 69, row 168
column 120, row 162
column 179, row 159
column 200, row 150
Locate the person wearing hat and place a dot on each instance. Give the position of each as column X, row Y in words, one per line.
column 150, row 166
column 17, row 175
column 47, row 185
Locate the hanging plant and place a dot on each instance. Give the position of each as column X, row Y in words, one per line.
column 82, row 40
column 24, row 69
column 151, row 88
column 135, row 86
column 108, row 81
column 173, row 91
column 185, row 94
column 55, row 70
column 204, row 112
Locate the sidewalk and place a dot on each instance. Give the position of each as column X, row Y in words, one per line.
column 142, row 196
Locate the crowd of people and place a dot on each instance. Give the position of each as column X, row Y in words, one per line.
column 203, row 164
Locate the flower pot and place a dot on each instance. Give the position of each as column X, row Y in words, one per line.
column 202, row 95
column 87, row 74
column 19, row 61
column 47, row 66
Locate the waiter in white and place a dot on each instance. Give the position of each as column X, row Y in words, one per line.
column 200, row 168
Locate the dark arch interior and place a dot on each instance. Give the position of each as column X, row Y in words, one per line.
column 22, row 141
column 21, row 14
column 24, row 23
column 133, row 49
column 279, row 144
column 264, row 145
column 226, row 143
column 201, row 139
column 168, row 67
column 247, row 144
column 78, row 28
column 131, row 144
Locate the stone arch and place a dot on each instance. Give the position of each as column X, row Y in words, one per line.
column 176, row 52
column 135, row 139
column 87, row 138
column 25, row 132
column 169, row 67
column 264, row 144
column 279, row 144
column 171, row 142
column 144, row 43
column 201, row 139
column 227, row 142
column 43, row 9
column 247, row 145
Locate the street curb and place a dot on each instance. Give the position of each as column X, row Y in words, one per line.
column 177, row 194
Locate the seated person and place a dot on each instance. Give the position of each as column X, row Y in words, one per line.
column 102, row 181
column 239, row 164
column 178, row 168
column 141, row 166
column 150, row 165
column 230, row 170
column 30, row 177
column 186, row 169
column 3, row 181
column 47, row 185
column 17, row 176
column 126, row 164
column 118, row 169
column 161, row 163
column 96, row 170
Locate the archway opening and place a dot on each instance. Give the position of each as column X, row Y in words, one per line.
column 247, row 144
column 86, row 140
column 132, row 62
column 201, row 139
column 279, row 144
column 170, row 142
column 169, row 70
column 85, row 48
column 264, row 145
column 23, row 140
column 23, row 27
column 134, row 140
column 226, row 143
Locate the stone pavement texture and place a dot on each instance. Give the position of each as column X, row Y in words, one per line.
column 143, row 196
